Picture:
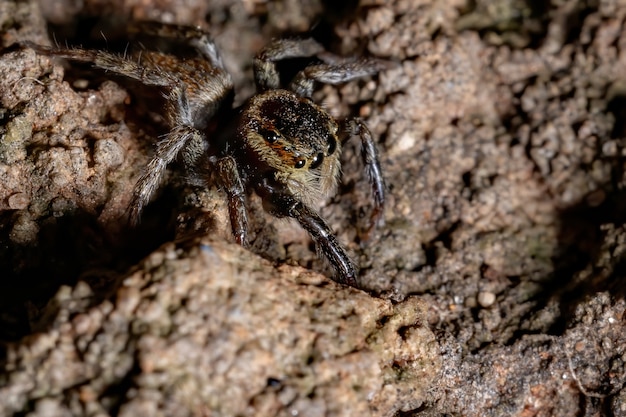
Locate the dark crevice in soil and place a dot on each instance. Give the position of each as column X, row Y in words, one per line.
column 70, row 248
column 582, row 243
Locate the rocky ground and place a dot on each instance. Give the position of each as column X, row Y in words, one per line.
column 495, row 286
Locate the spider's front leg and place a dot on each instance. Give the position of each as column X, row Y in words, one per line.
column 281, row 203
column 342, row 70
column 265, row 73
column 304, row 82
column 335, row 74
column 371, row 163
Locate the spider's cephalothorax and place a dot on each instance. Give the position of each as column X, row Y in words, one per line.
column 279, row 143
column 295, row 142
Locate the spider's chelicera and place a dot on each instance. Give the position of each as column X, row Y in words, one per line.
column 279, row 143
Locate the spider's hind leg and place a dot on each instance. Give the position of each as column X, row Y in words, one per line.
column 166, row 150
column 181, row 112
column 177, row 109
column 181, row 136
column 194, row 36
column 108, row 61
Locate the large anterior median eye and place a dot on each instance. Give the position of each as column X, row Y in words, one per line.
column 317, row 160
column 270, row 135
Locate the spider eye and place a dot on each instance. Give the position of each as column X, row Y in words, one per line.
column 332, row 144
column 317, row 160
column 270, row 135
column 300, row 163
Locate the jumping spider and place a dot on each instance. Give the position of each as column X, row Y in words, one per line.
column 279, row 143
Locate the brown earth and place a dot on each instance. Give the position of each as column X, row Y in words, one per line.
column 494, row 288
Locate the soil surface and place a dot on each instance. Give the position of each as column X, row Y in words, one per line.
column 494, row 286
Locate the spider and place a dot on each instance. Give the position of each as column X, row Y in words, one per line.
column 278, row 143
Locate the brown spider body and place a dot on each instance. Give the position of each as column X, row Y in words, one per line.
column 279, row 143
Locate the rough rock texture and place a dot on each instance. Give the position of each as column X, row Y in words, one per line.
column 494, row 288
column 205, row 331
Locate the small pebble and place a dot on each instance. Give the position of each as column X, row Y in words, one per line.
column 486, row 299
column 19, row 201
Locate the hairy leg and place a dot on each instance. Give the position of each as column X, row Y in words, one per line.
column 265, row 72
column 230, row 180
column 109, row 62
column 281, row 203
column 194, row 36
column 371, row 163
column 303, row 82
column 178, row 112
